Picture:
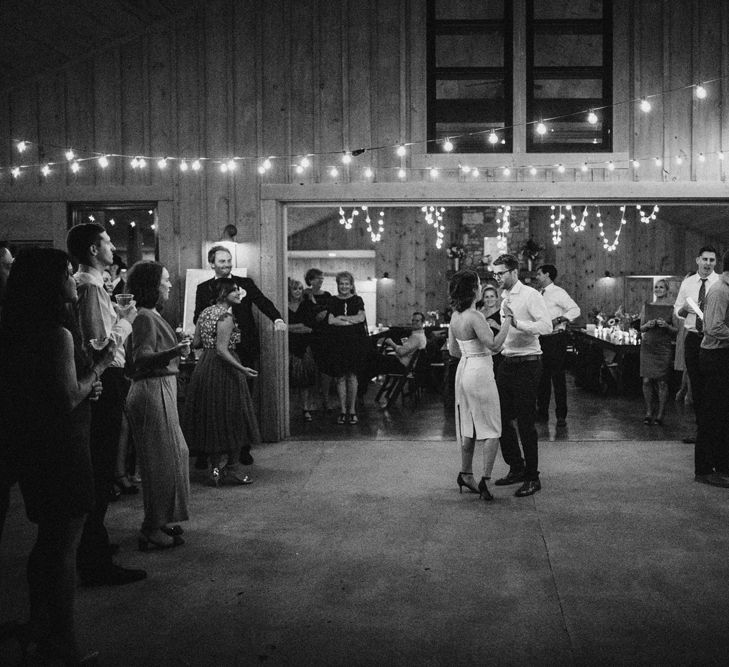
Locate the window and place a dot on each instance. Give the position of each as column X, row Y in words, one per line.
column 470, row 74
column 479, row 80
column 132, row 227
column 569, row 62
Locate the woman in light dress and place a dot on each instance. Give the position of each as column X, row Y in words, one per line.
column 478, row 412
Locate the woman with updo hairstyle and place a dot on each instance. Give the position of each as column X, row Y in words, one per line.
column 219, row 417
column 153, row 360
column 477, row 409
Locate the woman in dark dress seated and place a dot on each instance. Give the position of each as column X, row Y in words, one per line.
column 348, row 347
column 47, row 379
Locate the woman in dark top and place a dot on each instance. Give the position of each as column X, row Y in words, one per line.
column 314, row 278
column 348, row 345
column 47, row 378
column 302, row 369
column 154, row 359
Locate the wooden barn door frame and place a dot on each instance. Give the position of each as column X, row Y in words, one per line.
column 274, row 200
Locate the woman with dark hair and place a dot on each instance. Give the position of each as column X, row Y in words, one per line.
column 47, row 378
column 153, row 356
column 658, row 326
column 478, row 412
column 302, row 369
column 314, row 278
column 219, row 415
column 347, row 347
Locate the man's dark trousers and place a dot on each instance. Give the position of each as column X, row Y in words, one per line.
column 517, row 381
column 712, row 440
column 554, row 355
column 106, row 416
column 692, row 345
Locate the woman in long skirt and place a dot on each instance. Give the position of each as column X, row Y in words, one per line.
column 219, row 415
column 152, row 410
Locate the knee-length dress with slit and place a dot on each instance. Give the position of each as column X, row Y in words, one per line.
column 478, row 411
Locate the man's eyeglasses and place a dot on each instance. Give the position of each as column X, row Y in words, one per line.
column 498, row 274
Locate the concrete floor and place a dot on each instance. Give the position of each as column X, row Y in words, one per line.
column 354, row 547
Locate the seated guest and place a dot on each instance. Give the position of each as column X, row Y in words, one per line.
column 154, row 360
column 395, row 363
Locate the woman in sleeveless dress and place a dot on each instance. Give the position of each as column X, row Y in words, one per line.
column 219, row 415
column 478, row 412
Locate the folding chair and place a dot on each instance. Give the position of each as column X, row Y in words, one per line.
column 394, row 383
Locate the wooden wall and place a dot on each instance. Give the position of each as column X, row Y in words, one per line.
column 271, row 77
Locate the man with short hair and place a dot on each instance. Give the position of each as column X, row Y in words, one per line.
column 696, row 287
column 562, row 310
column 100, row 319
column 712, row 439
column 518, row 375
column 221, row 261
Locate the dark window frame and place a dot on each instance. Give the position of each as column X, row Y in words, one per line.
column 537, row 110
column 467, row 110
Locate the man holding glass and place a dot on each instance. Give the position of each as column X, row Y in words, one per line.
column 518, row 375
column 101, row 321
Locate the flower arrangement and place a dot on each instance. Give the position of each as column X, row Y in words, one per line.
column 455, row 251
column 531, row 249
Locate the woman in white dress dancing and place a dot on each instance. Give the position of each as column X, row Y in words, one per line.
column 478, row 412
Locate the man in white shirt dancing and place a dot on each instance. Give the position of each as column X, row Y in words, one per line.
column 562, row 310
column 518, row 375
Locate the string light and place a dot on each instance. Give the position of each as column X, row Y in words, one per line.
column 196, row 165
column 556, row 225
column 401, row 173
column 592, row 118
column 346, row 158
column 305, row 162
column 401, row 150
column 658, row 161
column 584, row 167
column 636, row 164
column 22, row 146
column 261, row 169
column 15, row 171
column 679, row 159
column 299, row 168
column 610, row 247
column 224, row 167
column 645, row 105
column 46, row 170
column 507, row 171
column 503, row 218
column 103, row 162
column 465, row 168
column 448, row 145
column 183, row 166
column 493, row 138
column 583, row 222
column 560, row 168
column 700, row 92
column 75, row 167
column 434, row 217
column 369, row 173
column 475, row 172
column 611, row 166
column 533, row 171
column 70, row 155
column 267, row 164
column 702, row 158
column 433, row 172
column 162, row 163
column 541, row 128
column 334, row 172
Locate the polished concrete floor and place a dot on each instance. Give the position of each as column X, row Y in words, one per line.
column 354, row 547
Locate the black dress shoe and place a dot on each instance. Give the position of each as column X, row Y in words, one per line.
column 530, row 487
column 713, row 479
column 514, row 477
column 111, row 575
column 245, row 458
column 690, row 440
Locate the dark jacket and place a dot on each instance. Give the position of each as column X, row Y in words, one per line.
column 243, row 313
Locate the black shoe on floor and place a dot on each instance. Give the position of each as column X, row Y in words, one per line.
column 529, row 488
column 514, row 477
column 245, row 458
column 690, row 440
column 713, row 479
column 111, row 575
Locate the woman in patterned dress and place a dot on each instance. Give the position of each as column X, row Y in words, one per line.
column 219, row 414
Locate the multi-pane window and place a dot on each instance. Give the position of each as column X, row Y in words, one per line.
column 469, row 74
column 569, row 75
column 476, row 79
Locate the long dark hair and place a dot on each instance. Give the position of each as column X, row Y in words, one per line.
column 462, row 289
column 35, row 304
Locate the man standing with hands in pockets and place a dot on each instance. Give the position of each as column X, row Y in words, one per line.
column 518, row 376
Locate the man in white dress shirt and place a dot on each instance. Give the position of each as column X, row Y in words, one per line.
column 562, row 310
column 695, row 287
column 518, row 375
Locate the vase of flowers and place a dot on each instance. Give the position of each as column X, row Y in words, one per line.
column 456, row 253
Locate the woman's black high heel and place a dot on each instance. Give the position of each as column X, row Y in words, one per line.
column 172, row 530
column 462, row 482
column 483, row 490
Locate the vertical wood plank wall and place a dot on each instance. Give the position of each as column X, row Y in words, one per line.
column 270, row 77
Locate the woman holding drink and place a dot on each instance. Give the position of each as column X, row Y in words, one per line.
column 154, row 357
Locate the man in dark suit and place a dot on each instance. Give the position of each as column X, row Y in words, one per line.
column 221, row 262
